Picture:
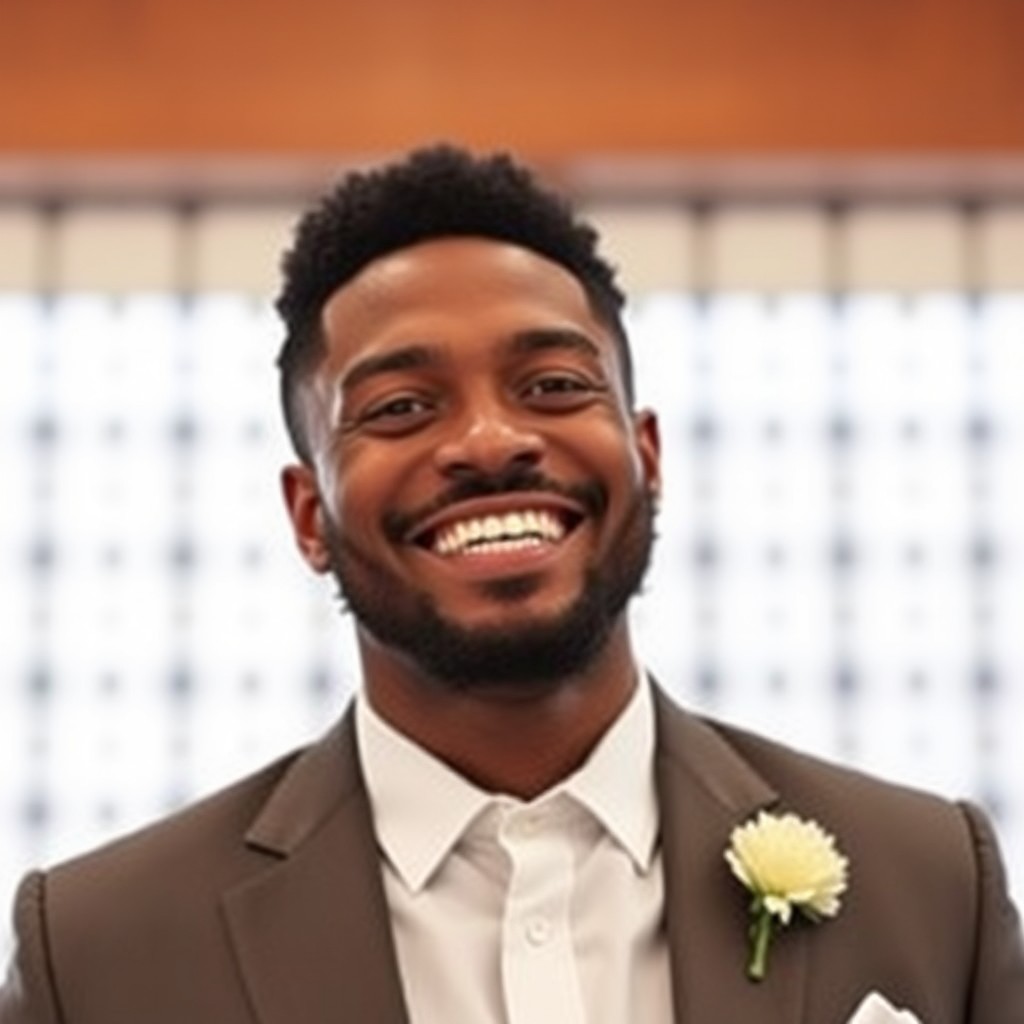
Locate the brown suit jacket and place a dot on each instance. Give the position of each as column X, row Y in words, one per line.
column 264, row 904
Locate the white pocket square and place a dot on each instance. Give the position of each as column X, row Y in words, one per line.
column 876, row 1009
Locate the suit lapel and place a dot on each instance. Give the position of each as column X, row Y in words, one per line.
column 311, row 932
column 705, row 790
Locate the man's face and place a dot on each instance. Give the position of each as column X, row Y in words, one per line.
column 480, row 489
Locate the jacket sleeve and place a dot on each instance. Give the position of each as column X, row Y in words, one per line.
column 998, row 992
column 28, row 995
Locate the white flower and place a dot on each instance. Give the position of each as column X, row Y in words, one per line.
column 786, row 863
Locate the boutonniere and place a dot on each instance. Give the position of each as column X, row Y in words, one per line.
column 786, row 863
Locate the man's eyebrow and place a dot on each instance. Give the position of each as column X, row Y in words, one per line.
column 544, row 338
column 411, row 357
column 414, row 357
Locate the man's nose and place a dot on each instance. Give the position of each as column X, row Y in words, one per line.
column 487, row 440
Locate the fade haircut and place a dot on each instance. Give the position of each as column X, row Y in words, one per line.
column 436, row 192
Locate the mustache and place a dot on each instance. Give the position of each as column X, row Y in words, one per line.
column 590, row 496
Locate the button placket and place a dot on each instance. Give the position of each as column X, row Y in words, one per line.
column 538, row 965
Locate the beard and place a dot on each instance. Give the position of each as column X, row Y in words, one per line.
column 521, row 656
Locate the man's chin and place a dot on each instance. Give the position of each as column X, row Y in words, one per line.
column 505, row 653
column 511, row 606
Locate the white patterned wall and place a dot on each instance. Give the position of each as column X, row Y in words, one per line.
column 841, row 559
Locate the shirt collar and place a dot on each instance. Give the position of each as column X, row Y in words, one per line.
column 421, row 807
column 616, row 783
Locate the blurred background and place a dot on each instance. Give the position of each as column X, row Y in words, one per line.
column 818, row 210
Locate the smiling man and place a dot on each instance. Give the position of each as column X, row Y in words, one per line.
column 512, row 824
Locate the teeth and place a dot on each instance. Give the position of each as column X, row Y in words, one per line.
column 509, row 532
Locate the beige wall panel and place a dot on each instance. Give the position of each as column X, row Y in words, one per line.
column 1001, row 248
column 652, row 247
column 907, row 249
column 21, row 249
column 117, row 251
column 768, row 249
column 240, row 249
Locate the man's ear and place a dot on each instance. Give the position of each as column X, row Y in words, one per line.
column 302, row 498
column 648, row 443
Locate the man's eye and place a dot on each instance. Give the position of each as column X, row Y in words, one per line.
column 396, row 414
column 558, row 389
column 405, row 406
column 547, row 385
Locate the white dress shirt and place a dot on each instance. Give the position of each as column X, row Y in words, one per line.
column 513, row 912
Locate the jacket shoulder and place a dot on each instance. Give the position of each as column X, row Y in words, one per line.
column 209, row 842
column 795, row 774
column 211, row 830
column 904, row 839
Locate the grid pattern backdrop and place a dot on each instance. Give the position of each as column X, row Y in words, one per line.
column 841, row 552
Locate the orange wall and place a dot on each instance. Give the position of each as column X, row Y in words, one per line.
column 552, row 78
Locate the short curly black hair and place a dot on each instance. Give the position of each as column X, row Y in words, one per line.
column 434, row 192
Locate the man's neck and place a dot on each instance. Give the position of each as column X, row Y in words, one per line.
column 518, row 742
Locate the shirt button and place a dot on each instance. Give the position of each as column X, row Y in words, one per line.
column 532, row 823
column 524, row 826
column 538, row 931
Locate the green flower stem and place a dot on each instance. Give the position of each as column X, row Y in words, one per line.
column 761, row 937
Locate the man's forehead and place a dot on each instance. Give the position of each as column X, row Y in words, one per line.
column 470, row 255
column 453, row 277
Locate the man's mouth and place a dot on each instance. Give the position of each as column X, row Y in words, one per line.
column 508, row 532
column 495, row 532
